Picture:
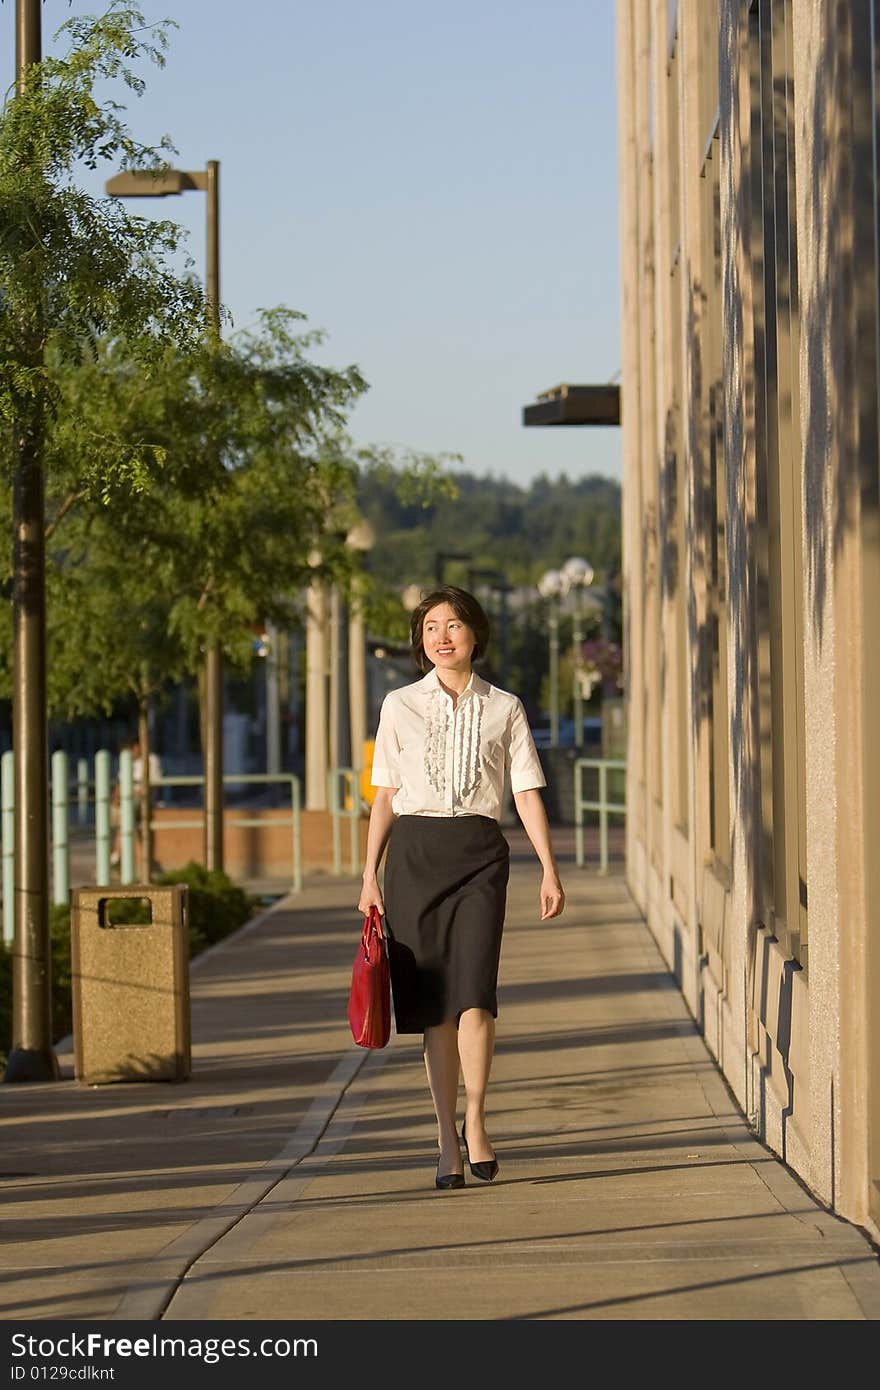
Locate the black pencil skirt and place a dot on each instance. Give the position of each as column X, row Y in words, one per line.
column 445, row 893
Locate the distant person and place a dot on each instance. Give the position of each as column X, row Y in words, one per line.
column 137, row 772
column 132, row 745
column 446, row 748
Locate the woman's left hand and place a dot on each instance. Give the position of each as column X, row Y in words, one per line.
column 552, row 896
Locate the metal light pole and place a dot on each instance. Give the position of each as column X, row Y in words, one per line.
column 577, row 575
column 361, row 537
column 31, row 1057
column 339, row 750
column 316, row 692
column 143, row 184
column 551, row 586
column 213, row 752
column 499, row 585
column 273, row 701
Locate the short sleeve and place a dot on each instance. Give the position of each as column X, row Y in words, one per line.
column 386, row 764
column 525, row 765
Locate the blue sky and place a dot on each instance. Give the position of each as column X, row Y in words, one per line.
column 435, row 186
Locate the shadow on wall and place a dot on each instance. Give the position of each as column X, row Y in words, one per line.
column 841, row 384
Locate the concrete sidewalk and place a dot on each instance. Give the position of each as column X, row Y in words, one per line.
column 292, row 1176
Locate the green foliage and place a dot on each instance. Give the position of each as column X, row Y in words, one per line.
column 517, row 532
column 521, row 531
column 62, row 1000
column 74, row 268
column 62, row 1004
column 217, row 907
column 249, row 466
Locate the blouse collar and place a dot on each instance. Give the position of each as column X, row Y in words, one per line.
column 475, row 686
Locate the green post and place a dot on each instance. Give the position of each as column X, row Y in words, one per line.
column 102, row 818
column 333, row 799
column 577, row 642
column 82, row 790
column 579, row 814
column 8, row 835
column 126, row 817
column 603, row 818
column 60, row 838
column 354, row 792
column 554, row 673
column 296, row 807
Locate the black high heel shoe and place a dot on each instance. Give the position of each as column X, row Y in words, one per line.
column 487, row 1169
column 448, row 1180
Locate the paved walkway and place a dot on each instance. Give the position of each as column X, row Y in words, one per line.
column 292, row 1176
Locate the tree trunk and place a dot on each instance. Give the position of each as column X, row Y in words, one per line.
column 146, row 798
column 31, row 1057
column 203, row 713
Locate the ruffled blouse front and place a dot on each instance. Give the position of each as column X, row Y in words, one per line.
column 453, row 760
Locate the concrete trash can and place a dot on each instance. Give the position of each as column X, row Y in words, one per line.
column 130, row 977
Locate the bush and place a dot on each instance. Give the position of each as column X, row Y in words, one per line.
column 217, row 907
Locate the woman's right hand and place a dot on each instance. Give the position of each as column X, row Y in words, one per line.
column 370, row 896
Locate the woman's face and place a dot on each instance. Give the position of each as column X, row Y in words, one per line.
column 447, row 639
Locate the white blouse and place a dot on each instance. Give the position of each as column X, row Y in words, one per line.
column 450, row 760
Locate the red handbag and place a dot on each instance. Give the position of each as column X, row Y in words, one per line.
column 369, row 1000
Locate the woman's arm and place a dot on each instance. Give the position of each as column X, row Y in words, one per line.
column 530, row 808
column 381, row 820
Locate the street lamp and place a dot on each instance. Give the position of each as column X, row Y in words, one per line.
column 577, row 575
column 348, row 664
column 162, row 184
column 551, row 586
column 361, row 538
column 31, row 1057
column 412, row 597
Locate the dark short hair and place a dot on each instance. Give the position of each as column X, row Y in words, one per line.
column 465, row 606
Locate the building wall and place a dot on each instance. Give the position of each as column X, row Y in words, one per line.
column 751, row 551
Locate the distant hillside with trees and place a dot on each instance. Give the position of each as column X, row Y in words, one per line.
column 516, row 531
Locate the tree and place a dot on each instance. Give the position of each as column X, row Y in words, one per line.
column 254, row 474
column 245, row 439
column 74, row 268
column 70, row 269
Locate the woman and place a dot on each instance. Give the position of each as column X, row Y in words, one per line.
column 444, row 749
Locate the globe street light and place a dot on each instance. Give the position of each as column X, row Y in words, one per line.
column 577, row 575
column 551, row 586
column 412, row 597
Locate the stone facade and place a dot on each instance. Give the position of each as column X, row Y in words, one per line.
column 748, row 139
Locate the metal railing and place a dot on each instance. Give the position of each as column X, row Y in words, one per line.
column 65, row 793
column 344, row 801
column 235, row 779
column 603, row 805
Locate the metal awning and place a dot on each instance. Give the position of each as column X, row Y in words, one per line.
column 575, row 405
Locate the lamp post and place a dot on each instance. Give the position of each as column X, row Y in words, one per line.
column 31, row 1057
column 412, row 597
column 551, row 586
column 578, row 575
column 498, row 584
column 361, row 537
column 144, row 184
column 317, row 742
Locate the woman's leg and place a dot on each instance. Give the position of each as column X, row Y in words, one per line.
column 476, row 1046
column 441, row 1064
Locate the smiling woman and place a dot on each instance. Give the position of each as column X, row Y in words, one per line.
column 445, row 748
